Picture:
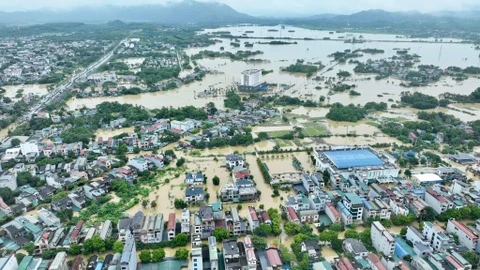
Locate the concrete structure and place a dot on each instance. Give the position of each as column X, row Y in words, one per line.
column 251, row 78
column 171, row 226
column 9, row 262
column 212, row 252
column 382, row 240
column 234, row 160
column 436, row 236
column 332, row 213
column 466, row 236
column 8, row 179
column 139, row 163
column 427, row 179
column 361, row 162
column 106, row 229
column 60, row 262
column 439, row 203
column 354, row 204
column 184, row 126
column 128, row 260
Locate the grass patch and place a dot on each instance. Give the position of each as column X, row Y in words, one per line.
column 297, row 142
column 312, row 129
column 278, row 133
column 373, row 124
column 283, row 143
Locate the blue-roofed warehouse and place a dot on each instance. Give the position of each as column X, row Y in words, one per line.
column 354, row 158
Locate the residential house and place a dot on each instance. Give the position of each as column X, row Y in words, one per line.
column 436, row 236
column 194, row 195
column 59, row 262
column 332, row 213
column 8, row 179
column 355, row 247
column 234, row 256
column 128, row 260
column 171, row 226
column 292, row 215
column 234, row 160
column 312, row 249
column 466, row 236
column 252, row 218
column 106, row 229
column 212, row 253
column 194, row 179
column 48, row 218
column 438, row 202
column 139, row 163
column 184, row 126
column 136, row 225
column 382, row 240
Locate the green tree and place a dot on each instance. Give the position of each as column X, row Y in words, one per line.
column 181, row 254
column 118, row 247
column 262, row 136
column 15, row 142
column 122, row 149
column 263, row 230
column 471, row 257
column 94, row 244
column 180, row 240
column 74, row 249
column 145, row 256
column 29, row 247
column 351, row 234
column 216, row 180
column 337, row 227
column 328, row 236
column 403, row 231
column 65, row 215
column 158, row 255
column 144, row 203
column 180, row 204
column 337, row 245
column 291, row 228
column 259, row 242
column 180, row 162
column 153, row 204
column 221, row 234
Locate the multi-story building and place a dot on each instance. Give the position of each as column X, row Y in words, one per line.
column 212, row 252
column 466, row 236
column 234, row 224
column 185, row 228
column 332, row 213
column 436, row 236
column 194, row 179
column 184, row 126
column 60, row 262
column 376, row 208
column 128, row 260
column 139, row 163
column 194, row 195
column 252, row 218
column 354, row 204
column 234, row 160
column 9, row 262
column 171, row 226
column 382, row 240
column 152, row 229
column 438, row 202
column 251, row 78
column 292, row 215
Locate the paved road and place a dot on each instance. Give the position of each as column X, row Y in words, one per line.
column 61, row 89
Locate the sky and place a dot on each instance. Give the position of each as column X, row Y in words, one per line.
column 264, row 7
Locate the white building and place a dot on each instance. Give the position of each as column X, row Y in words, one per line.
column 9, row 262
column 382, row 240
column 48, row 218
column 251, row 78
column 398, row 208
column 60, row 262
column 139, row 163
column 184, row 126
column 466, row 236
column 439, row 203
column 427, row 179
column 9, row 179
column 332, row 213
column 436, row 236
column 29, row 149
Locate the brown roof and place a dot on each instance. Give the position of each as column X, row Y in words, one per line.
column 171, row 222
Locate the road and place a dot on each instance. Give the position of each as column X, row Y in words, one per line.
column 61, row 89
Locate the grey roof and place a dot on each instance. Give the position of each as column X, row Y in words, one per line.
column 127, row 250
column 194, row 191
column 137, row 218
column 233, row 157
column 124, row 223
column 356, row 245
column 206, row 212
column 230, row 247
column 421, row 247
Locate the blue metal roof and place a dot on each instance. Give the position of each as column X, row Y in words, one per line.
column 353, row 158
column 344, row 209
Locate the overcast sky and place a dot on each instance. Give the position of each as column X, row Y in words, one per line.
column 265, row 7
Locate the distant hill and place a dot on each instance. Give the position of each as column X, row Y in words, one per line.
column 184, row 12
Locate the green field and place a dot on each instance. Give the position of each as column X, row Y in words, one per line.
column 278, row 134
column 283, row 143
column 312, row 129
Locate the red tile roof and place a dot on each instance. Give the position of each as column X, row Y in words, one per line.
column 253, row 213
column 274, row 258
column 171, row 222
column 291, row 213
column 348, row 264
column 465, row 229
column 453, row 262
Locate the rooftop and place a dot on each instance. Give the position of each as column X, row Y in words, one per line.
column 344, row 159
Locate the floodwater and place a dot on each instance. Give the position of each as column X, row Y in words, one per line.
column 228, row 72
column 36, row 89
column 107, row 133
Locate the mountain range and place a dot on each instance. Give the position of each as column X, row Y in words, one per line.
column 194, row 12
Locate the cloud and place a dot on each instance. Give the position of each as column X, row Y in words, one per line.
column 264, row 7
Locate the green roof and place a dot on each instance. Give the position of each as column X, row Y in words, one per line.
column 25, row 262
column 32, row 227
column 353, row 198
column 362, row 263
column 216, row 206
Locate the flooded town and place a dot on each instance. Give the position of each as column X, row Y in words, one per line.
column 238, row 146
